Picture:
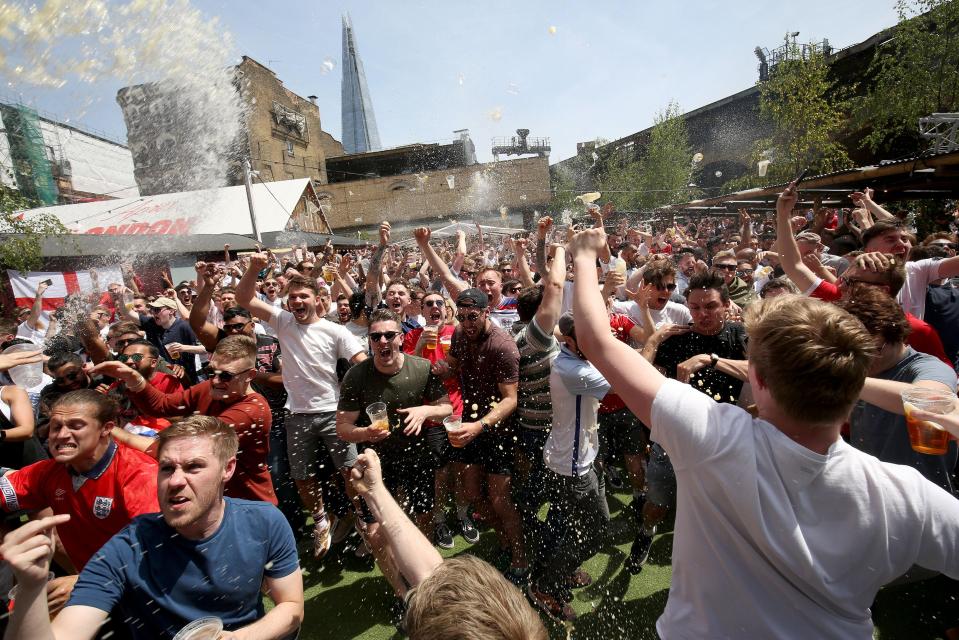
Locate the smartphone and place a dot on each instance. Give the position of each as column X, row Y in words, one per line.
column 47, row 282
column 800, row 177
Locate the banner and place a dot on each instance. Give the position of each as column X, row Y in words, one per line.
column 64, row 283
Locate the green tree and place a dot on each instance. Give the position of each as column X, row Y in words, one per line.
column 662, row 175
column 808, row 114
column 569, row 179
column 22, row 250
column 915, row 74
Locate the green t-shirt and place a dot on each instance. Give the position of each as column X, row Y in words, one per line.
column 412, row 386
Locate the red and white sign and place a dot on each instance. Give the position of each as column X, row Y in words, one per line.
column 64, row 283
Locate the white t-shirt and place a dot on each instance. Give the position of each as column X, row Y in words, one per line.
column 673, row 312
column 310, row 352
column 576, row 388
column 37, row 337
column 773, row 540
column 919, row 274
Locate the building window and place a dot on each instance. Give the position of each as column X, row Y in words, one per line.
column 289, row 148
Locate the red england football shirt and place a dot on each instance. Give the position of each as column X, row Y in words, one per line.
column 434, row 355
column 100, row 502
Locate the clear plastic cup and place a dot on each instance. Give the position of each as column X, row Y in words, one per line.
column 452, row 423
column 329, row 273
column 208, row 628
column 25, row 375
column 378, row 416
column 432, row 338
column 925, row 436
column 445, row 343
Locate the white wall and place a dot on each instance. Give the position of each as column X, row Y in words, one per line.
column 98, row 166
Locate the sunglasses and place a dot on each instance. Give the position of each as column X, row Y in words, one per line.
column 121, row 344
column 134, row 358
column 376, row 336
column 434, row 303
column 224, row 376
column 234, row 326
column 947, row 245
column 744, row 274
column 472, row 316
column 725, row 267
column 667, row 287
column 69, row 377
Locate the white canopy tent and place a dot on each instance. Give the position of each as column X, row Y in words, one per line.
column 210, row 211
column 468, row 228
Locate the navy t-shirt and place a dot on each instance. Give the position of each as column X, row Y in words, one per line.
column 162, row 581
column 179, row 331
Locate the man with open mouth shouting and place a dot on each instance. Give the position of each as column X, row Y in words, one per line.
column 311, row 345
column 412, row 394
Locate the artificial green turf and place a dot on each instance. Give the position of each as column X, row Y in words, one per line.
column 345, row 599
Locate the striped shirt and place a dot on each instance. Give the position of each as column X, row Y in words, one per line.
column 537, row 350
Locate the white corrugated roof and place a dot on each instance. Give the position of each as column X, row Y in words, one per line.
column 222, row 210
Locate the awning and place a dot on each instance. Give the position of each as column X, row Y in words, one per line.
column 915, row 178
column 210, row 211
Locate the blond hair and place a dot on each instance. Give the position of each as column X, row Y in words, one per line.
column 234, row 348
column 812, row 355
column 467, row 599
column 225, row 441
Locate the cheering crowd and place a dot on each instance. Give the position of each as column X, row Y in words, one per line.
column 744, row 374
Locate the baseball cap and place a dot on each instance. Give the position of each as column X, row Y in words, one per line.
column 809, row 236
column 163, row 301
column 473, row 297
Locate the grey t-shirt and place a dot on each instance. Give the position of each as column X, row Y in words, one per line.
column 884, row 434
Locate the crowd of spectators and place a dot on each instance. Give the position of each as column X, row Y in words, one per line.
column 741, row 374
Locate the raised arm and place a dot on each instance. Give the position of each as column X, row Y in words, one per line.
column 33, row 320
column 864, row 198
column 375, row 275
column 206, row 332
column 454, row 285
column 21, row 414
column 542, row 230
column 745, row 230
column 415, row 556
column 789, row 256
column 635, row 379
column 522, row 264
column 551, row 306
column 246, row 290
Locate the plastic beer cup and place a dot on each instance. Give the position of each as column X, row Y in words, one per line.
column 452, row 423
column 925, row 436
column 378, row 416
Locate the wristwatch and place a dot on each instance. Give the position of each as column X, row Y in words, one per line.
column 713, row 359
column 484, row 424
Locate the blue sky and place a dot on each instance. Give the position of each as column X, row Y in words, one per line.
column 433, row 67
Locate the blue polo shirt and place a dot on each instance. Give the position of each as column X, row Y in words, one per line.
column 162, row 581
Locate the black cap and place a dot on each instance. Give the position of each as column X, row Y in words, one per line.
column 473, row 297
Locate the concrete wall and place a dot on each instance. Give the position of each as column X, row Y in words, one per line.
column 266, row 99
column 479, row 191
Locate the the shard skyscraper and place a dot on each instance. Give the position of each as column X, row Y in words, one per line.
column 359, row 124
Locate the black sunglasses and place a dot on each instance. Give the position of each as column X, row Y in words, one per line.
column 434, row 303
column 473, row 316
column 122, row 344
column 234, row 326
column 69, row 377
column 224, row 376
column 726, row 267
column 376, row 336
column 134, row 358
column 667, row 287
